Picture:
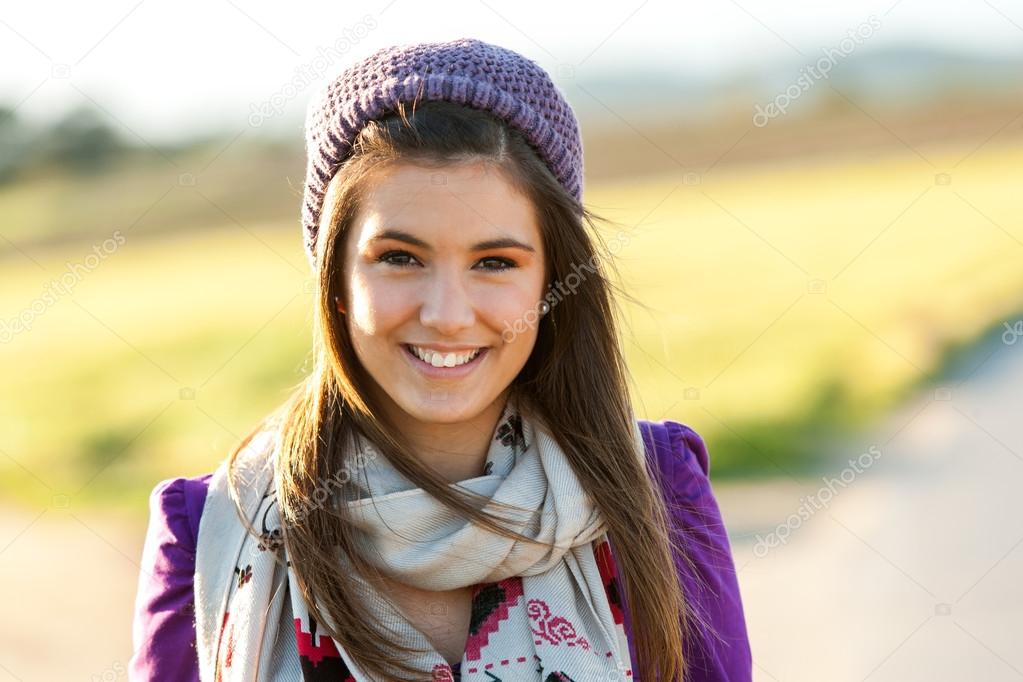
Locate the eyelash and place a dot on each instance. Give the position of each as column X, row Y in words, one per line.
column 508, row 264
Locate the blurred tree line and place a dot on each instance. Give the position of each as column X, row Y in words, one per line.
column 78, row 142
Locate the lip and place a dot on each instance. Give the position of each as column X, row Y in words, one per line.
column 432, row 372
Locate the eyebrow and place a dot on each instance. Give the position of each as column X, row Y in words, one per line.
column 499, row 243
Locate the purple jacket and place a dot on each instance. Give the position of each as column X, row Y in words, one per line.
column 163, row 632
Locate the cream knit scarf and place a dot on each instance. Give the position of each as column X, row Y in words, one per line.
column 538, row 614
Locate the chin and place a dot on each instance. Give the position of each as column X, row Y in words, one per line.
column 440, row 406
column 455, row 408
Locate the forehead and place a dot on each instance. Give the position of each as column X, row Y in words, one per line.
column 452, row 204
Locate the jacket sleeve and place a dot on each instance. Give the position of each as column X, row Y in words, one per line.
column 718, row 648
column 163, row 629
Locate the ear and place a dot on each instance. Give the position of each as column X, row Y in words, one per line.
column 337, row 303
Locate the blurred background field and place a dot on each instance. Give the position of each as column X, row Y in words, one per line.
column 785, row 301
column 845, row 274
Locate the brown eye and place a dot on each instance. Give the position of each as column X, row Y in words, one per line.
column 506, row 264
column 386, row 258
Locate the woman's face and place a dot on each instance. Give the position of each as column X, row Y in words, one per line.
column 447, row 261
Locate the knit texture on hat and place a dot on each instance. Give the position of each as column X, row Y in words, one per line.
column 467, row 71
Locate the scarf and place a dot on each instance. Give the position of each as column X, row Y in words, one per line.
column 538, row 613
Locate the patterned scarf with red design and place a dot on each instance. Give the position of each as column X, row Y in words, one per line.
column 538, row 613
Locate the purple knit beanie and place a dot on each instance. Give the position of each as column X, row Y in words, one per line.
column 467, row 71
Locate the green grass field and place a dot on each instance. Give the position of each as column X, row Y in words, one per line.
column 784, row 304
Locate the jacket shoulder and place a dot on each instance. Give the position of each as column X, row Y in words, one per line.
column 194, row 491
column 719, row 648
column 175, row 507
column 679, row 456
column 163, row 622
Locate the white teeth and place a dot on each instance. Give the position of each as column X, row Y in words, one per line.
column 444, row 359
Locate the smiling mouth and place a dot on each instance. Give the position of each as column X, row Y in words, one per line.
column 439, row 360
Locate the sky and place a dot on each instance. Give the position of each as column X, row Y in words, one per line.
column 165, row 70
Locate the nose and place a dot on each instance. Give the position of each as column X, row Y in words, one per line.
column 447, row 305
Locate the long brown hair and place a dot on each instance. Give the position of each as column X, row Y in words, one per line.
column 575, row 380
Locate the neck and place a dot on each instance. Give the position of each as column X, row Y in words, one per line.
column 456, row 451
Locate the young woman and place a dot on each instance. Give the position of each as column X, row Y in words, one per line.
column 460, row 488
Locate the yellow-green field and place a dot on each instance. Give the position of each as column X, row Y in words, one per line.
column 778, row 298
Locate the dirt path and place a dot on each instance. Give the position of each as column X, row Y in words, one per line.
column 911, row 570
column 67, row 582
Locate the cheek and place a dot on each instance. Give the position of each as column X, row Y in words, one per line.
column 516, row 316
column 377, row 304
column 508, row 308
